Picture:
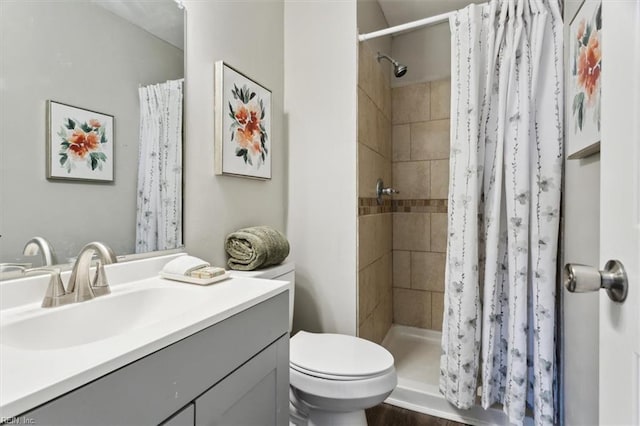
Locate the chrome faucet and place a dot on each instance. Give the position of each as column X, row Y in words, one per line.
column 80, row 283
column 40, row 245
column 81, row 287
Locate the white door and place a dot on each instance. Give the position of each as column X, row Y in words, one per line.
column 620, row 211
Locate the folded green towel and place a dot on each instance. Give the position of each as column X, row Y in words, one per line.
column 255, row 247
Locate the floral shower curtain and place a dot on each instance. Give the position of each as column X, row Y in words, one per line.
column 159, row 196
column 504, row 201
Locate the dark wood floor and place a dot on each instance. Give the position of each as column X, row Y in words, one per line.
column 389, row 415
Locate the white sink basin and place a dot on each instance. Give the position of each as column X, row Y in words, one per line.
column 97, row 319
column 47, row 352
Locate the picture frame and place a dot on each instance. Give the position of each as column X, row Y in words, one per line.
column 584, row 88
column 242, row 121
column 80, row 144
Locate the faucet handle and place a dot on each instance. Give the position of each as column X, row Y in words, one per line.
column 100, row 285
column 55, row 289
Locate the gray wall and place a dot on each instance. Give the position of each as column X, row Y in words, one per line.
column 320, row 110
column 427, row 53
column 217, row 205
column 371, row 18
column 312, row 191
column 79, row 54
column 581, row 206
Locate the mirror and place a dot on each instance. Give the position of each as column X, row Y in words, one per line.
column 90, row 55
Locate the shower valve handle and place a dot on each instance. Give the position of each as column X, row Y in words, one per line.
column 381, row 190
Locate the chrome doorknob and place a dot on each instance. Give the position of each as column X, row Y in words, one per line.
column 582, row 278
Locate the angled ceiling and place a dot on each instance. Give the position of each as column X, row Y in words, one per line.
column 162, row 18
column 402, row 11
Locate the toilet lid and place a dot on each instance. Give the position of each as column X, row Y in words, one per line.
column 326, row 354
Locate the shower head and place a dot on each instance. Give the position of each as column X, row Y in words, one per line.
column 398, row 69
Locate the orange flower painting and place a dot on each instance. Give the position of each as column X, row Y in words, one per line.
column 81, row 143
column 247, row 112
column 586, row 68
column 242, row 125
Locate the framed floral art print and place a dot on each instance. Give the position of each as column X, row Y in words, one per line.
column 585, row 68
column 242, row 125
column 79, row 143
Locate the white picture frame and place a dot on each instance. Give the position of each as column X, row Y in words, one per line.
column 242, row 122
column 80, row 144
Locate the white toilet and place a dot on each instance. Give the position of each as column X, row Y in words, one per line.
column 333, row 377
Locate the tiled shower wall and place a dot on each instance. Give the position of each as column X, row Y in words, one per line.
column 420, row 170
column 374, row 224
column 403, row 138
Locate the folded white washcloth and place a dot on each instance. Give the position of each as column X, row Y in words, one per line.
column 184, row 265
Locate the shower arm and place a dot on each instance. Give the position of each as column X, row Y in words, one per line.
column 390, row 59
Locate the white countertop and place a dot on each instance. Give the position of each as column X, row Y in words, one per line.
column 31, row 377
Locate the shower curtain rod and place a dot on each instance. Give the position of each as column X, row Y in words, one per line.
column 408, row 26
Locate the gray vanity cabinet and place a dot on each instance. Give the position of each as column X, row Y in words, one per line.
column 235, row 372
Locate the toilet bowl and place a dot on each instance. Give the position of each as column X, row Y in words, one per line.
column 333, row 377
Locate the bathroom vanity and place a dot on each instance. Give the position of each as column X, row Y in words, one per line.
column 209, row 355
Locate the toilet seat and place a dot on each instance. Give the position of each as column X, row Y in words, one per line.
column 338, row 357
column 326, row 376
column 313, row 387
column 339, row 367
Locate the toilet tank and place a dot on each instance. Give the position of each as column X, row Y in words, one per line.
column 282, row 272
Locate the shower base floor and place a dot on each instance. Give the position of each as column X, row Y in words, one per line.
column 417, row 357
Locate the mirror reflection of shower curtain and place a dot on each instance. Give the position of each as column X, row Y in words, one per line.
column 504, row 201
column 159, row 193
